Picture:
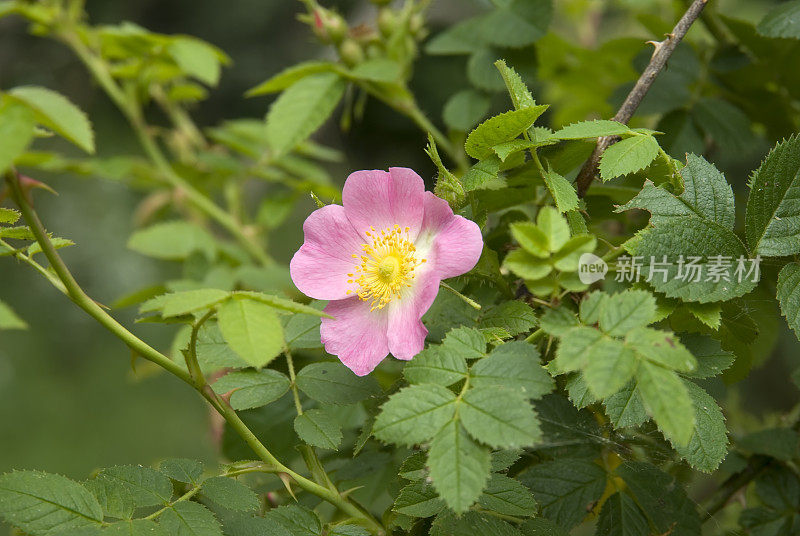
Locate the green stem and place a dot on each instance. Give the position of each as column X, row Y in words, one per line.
column 472, row 303
column 27, row 259
column 185, row 497
column 536, row 335
column 191, row 355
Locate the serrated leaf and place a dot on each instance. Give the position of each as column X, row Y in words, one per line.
column 565, row 489
column 297, row 520
column 662, row 348
column 711, row 358
column 499, row 129
column 252, row 329
column 514, row 365
column 564, row 194
column 531, row 237
column 667, row 401
column 709, row 314
column 8, row 215
column 115, row 499
column 471, row 524
column 436, row 365
column 788, row 294
column 709, row 442
column 231, row 494
column 197, row 58
column 513, row 316
column 41, row 503
column 147, row 486
column 558, row 321
column 780, row 443
column 377, row 70
column 520, row 94
column 418, row 499
column 621, row 516
column 507, row 496
column 575, row 345
column 414, row 414
column 301, row 109
column 469, row 343
column 569, row 433
column 459, row 467
column 213, row 353
column 625, row 408
column 609, row 366
column 289, row 76
column 17, row 122
column 134, row 527
column 282, row 303
column 181, row 303
column 465, row 109
column 182, row 469
column 319, row 428
column 173, row 240
column 626, row 311
column 782, row 21
column 333, row 383
column 187, row 518
column 56, row 112
column 501, row 418
column 725, row 123
column 591, row 129
column 252, row 388
column 772, row 221
column 555, row 227
column 502, row 460
column 482, row 174
column 627, row 156
column 413, row 467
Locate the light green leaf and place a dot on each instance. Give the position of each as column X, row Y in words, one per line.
column 558, row 321
column 413, row 467
column 252, row 388
column 147, row 486
column 517, row 23
column 378, row 70
column 333, row 383
column 782, row 21
column 667, row 400
column 465, row 109
column 41, row 503
column 591, row 306
column 662, row 348
column 283, row 304
column 709, row 443
column 56, row 112
column 197, row 58
column 301, row 109
column 289, row 76
column 507, row 148
column 574, row 347
column 591, row 129
column 319, row 428
column 625, row 408
column 627, row 156
column 461, row 38
column 187, row 518
column 772, row 222
column 414, row 414
column 554, row 225
column 115, row 499
column 481, row 175
column 9, row 319
column 513, row 316
column 501, row 418
column 621, row 516
column 252, row 329
column 418, row 499
column 532, row 238
column 788, row 294
column 709, row 314
column 134, row 527
column 507, row 496
column 17, row 122
column 213, row 353
column 469, row 343
column 8, row 215
column 609, row 366
column 189, row 301
column 499, row 129
column 182, row 470
column 625, row 311
column 231, row 494
column 565, row 489
column 173, row 240
column 563, row 192
column 459, row 467
column 514, row 365
column 435, row 365
column 520, row 94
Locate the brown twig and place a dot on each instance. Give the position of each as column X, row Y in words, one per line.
column 663, row 50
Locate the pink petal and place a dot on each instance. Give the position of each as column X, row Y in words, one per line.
column 457, row 241
column 382, row 200
column 319, row 268
column 355, row 335
column 406, row 332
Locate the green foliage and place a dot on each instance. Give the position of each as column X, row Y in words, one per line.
column 252, row 388
column 55, row 112
column 16, row 126
column 628, row 155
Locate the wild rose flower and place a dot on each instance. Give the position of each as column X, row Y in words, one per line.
column 379, row 260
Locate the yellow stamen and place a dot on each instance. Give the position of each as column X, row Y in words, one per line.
column 387, row 266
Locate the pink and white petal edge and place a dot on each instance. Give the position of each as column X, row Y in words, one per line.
column 406, row 332
column 355, row 335
column 457, row 241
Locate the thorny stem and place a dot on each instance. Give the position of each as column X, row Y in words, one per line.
column 80, row 298
column 133, row 113
column 662, row 53
column 28, row 259
column 191, row 354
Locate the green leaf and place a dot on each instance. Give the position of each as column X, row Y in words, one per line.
column 289, row 76
column 667, row 400
column 563, row 192
column 709, row 314
column 461, row 38
column 621, row 516
column 17, row 122
column 8, row 215
column 348, row 530
column 459, row 467
column 283, row 304
column 9, row 319
column 625, row 311
column 502, row 460
column 173, row 240
column 252, row 329
column 662, row 348
column 541, row 526
column 513, row 316
column 772, row 222
column 782, row 21
column 182, row 470
column 780, row 443
column 189, row 301
column 709, row 443
column 134, row 527
column 574, row 347
column 532, row 238
column 57, row 113
column 252, row 388
column 520, row 94
column 627, row 156
column 609, row 366
column 568, row 432
column 471, row 524
column 435, row 365
column 213, row 353
column 499, row 129
column 319, row 428
column 517, row 23
column 481, row 175
column 41, row 503
column 788, row 294
column 501, row 418
column 711, row 359
column 507, row 496
column 418, row 499
column 469, row 343
column 779, row 489
column 591, row 129
column 187, row 518
column 625, row 408
column 115, row 500
column 558, row 321
column 333, row 383
column 414, row 414
column 555, row 227
column 465, row 109
column 197, row 58
column 147, row 486
column 514, row 365
column 727, row 124
column 413, row 467
column 565, row 489
column 301, row 109
column 231, row 494
column 298, row 520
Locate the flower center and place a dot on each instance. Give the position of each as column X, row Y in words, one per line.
column 387, row 266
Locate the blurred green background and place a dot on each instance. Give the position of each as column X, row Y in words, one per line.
column 69, row 400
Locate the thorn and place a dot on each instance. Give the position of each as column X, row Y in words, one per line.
column 287, row 483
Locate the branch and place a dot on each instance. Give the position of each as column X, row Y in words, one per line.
column 662, row 53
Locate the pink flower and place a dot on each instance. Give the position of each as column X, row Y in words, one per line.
column 379, row 260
